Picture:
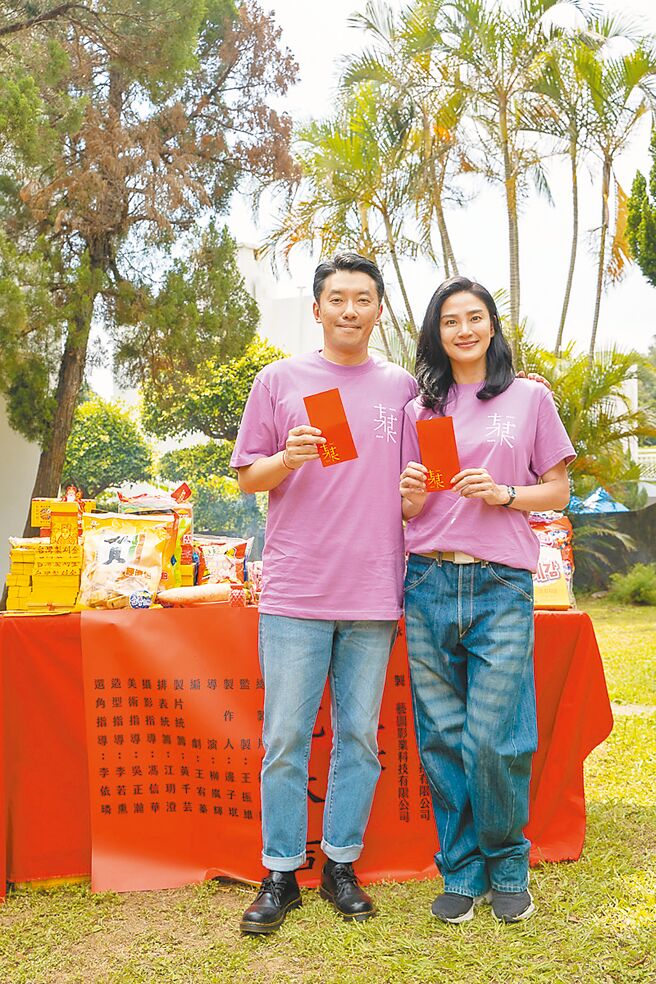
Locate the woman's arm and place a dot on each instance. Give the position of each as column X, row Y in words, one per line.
column 551, row 493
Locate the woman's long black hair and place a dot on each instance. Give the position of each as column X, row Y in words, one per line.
column 433, row 368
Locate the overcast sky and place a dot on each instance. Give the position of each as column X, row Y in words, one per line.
column 319, row 35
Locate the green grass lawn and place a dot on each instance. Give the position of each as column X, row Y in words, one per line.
column 596, row 920
column 627, row 639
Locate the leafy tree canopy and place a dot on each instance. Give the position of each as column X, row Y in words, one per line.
column 212, row 400
column 202, row 313
column 219, row 507
column 122, row 126
column 198, row 463
column 641, row 219
column 105, row 448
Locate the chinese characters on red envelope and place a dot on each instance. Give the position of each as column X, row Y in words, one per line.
column 437, row 446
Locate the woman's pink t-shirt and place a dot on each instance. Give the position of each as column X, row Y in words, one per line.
column 517, row 436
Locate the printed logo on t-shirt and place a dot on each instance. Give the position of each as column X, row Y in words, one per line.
column 386, row 423
column 501, row 428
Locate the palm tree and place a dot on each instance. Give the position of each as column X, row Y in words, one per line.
column 595, row 409
column 357, row 169
column 621, row 90
column 558, row 109
column 407, row 60
column 503, row 54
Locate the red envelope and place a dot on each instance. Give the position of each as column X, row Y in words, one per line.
column 326, row 411
column 437, row 446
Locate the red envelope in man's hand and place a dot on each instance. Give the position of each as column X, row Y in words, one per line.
column 326, row 411
column 437, row 446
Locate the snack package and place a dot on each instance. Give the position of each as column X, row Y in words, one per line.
column 550, row 587
column 554, row 530
column 222, row 558
column 123, row 559
column 147, row 499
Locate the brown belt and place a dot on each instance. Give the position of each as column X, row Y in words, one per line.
column 454, row 556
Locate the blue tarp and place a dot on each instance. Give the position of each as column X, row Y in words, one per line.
column 599, row 501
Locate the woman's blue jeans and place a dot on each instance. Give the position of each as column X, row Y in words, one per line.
column 470, row 648
column 297, row 656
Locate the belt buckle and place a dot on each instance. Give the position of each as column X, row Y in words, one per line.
column 463, row 558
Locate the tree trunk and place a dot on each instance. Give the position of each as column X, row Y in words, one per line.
column 572, row 255
column 397, row 327
column 383, row 335
column 605, row 191
column 450, row 265
column 397, row 269
column 510, row 181
column 71, row 376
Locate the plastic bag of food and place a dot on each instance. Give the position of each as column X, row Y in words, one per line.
column 123, row 560
column 554, row 530
column 223, row 558
column 148, row 498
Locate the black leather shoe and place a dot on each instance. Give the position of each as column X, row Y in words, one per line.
column 278, row 894
column 339, row 885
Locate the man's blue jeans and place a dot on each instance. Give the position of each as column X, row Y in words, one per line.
column 470, row 647
column 297, row 655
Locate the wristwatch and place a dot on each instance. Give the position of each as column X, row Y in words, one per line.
column 512, row 492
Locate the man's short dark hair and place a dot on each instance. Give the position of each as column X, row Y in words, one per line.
column 352, row 262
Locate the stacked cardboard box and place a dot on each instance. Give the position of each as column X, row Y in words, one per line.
column 21, row 565
column 56, row 576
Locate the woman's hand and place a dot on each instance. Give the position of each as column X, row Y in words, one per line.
column 477, row 483
column 413, row 481
column 413, row 488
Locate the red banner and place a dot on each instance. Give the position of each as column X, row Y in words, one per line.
column 48, row 799
column 174, row 751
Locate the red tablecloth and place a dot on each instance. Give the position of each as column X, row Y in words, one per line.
column 46, row 791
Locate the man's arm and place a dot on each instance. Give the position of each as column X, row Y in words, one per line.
column 268, row 473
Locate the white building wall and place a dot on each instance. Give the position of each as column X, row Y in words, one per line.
column 286, row 318
column 20, row 461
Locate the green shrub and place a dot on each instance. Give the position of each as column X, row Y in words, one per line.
column 636, row 587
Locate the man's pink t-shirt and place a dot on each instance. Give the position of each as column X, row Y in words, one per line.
column 334, row 539
column 517, row 436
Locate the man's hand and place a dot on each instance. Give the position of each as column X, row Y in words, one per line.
column 413, row 483
column 302, row 445
column 477, row 483
column 536, row 377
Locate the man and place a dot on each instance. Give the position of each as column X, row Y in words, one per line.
column 332, row 595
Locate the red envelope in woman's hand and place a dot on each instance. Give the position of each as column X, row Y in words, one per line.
column 437, row 446
column 326, row 411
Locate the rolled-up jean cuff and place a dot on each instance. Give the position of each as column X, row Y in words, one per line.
column 283, row 864
column 342, row 855
column 500, row 886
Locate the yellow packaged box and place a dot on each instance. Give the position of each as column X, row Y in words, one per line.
column 40, row 513
column 18, row 580
column 64, row 520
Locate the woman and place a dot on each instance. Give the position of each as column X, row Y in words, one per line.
column 469, row 595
